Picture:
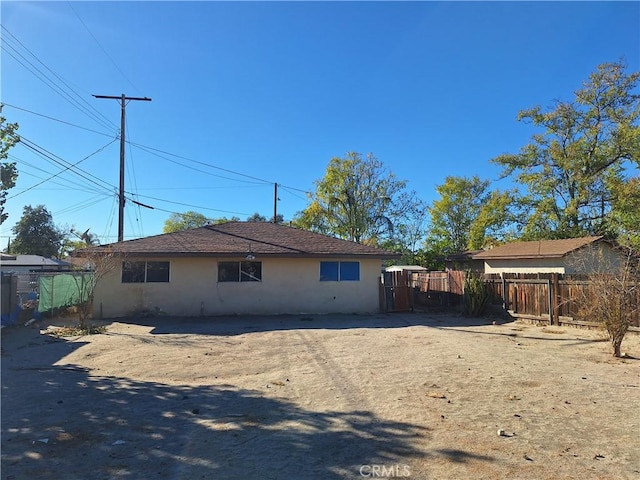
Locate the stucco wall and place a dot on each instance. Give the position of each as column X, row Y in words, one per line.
column 525, row 265
column 287, row 286
column 587, row 260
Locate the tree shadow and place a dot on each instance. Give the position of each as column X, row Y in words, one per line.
column 241, row 324
column 62, row 421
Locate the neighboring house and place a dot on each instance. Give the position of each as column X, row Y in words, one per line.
column 239, row 268
column 571, row 255
column 31, row 263
column 464, row 261
column 406, row 268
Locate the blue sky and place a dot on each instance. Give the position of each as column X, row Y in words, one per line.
column 246, row 94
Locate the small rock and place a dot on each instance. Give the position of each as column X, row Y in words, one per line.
column 43, row 440
column 195, row 411
column 502, row 433
column 598, row 456
column 119, row 442
column 527, row 457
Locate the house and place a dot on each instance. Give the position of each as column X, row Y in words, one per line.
column 464, row 261
column 406, row 268
column 239, row 268
column 571, row 255
column 31, row 263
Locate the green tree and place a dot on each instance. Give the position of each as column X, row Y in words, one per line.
column 409, row 231
column 36, row 233
column 626, row 212
column 570, row 169
column 256, row 217
column 8, row 170
column 184, row 221
column 467, row 216
column 357, row 199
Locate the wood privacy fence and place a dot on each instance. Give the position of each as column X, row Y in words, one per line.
column 551, row 299
column 443, row 289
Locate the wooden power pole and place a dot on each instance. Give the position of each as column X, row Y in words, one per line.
column 123, row 104
column 275, row 203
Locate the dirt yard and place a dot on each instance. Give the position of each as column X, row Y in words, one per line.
column 327, row 397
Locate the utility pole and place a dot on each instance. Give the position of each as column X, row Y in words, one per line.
column 122, row 99
column 275, row 203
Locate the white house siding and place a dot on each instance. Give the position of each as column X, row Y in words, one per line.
column 582, row 261
column 288, row 285
column 525, row 265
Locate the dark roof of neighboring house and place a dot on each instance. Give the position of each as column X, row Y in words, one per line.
column 31, row 261
column 537, row 249
column 461, row 256
column 244, row 238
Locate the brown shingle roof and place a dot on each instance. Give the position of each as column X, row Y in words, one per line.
column 537, row 249
column 242, row 238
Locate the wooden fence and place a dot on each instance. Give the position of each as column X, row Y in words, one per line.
column 443, row 289
column 551, row 299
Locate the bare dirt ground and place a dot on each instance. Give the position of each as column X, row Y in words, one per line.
column 319, row 397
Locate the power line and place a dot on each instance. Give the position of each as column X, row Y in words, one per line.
column 47, row 155
column 56, row 119
column 87, row 108
column 156, row 152
column 101, row 47
column 71, row 183
column 62, row 171
column 161, row 154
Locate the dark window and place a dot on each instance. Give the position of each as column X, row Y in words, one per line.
column 339, row 271
column 228, row 272
column 157, row 271
column 141, row 272
column 329, row 271
column 133, row 272
column 349, row 271
column 239, row 271
column 251, row 271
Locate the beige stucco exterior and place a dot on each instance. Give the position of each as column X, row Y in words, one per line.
column 288, row 286
column 582, row 261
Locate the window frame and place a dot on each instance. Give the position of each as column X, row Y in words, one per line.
column 333, row 271
column 140, row 272
column 240, row 271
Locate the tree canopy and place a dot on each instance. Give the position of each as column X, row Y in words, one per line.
column 36, row 233
column 467, row 216
column 357, row 199
column 573, row 169
column 184, row 221
column 8, row 171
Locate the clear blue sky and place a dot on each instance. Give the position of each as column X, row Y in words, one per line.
column 271, row 91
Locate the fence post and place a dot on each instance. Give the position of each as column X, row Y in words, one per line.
column 551, row 296
column 505, row 303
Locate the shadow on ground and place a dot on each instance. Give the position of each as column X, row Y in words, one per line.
column 238, row 325
column 62, row 421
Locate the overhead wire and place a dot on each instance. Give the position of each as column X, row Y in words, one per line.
column 51, row 157
column 70, row 183
column 101, row 47
column 134, row 186
column 88, row 109
column 67, row 168
column 161, row 154
column 4, row 104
